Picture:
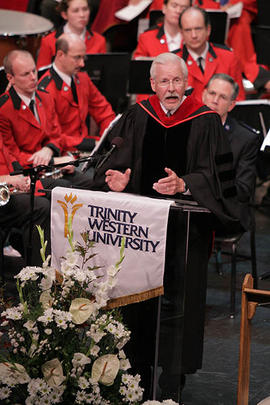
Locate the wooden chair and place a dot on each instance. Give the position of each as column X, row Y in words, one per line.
column 251, row 299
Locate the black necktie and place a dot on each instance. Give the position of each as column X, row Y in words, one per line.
column 168, row 113
column 74, row 91
column 199, row 60
column 31, row 106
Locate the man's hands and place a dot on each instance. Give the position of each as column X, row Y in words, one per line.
column 19, row 182
column 41, row 157
column 170, row 185
column 44, row 155
column 62, row 159
column 116, row 180
column 267, row 86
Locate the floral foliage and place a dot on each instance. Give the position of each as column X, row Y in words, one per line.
column 62, row 346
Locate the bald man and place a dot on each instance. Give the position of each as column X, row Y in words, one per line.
column 203, row 58
column 28, row 121
column 75, row 96
column 163, row 37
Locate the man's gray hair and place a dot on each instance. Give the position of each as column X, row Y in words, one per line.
column 228, row 79
column 165, row 58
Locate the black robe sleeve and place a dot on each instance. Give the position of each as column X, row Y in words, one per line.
column 210, row 175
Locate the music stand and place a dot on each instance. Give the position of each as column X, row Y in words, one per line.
column 262, row 42
column 262, row 32
column 256, row 114
column 139, row 77
column 219, row 21
column 109, row 72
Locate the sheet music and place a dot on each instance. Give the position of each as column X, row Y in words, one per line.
column 253, row 102
column 266, row 141
column 104, row 135
column 235, row 11
column 128, row 13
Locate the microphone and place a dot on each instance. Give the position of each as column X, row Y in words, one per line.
column 116, row 143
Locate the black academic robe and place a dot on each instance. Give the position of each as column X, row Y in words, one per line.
column 209, row 171
column 193, row 144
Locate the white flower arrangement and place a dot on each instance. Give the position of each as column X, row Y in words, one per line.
column 63, row 346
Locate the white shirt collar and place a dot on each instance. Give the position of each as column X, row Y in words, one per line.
column 26, row 99
column 66, row 78
column 173, row 42
column 67, row 30
column 195, row 56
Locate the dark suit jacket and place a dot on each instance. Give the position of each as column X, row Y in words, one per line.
column 245, row 144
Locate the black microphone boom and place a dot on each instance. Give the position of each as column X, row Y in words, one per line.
column 116, row 143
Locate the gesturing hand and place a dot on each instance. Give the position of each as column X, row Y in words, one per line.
column 116, row 180
column 170, row 185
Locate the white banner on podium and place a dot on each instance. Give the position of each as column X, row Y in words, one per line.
column 108, row 217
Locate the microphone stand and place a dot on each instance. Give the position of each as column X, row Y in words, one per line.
column 34, row 174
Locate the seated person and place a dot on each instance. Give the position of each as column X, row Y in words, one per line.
column 76, row 13
column 155, row 161
column 163, row 37
column 74, row 95
column 240, row 40
column 28, row 121
column 16, row 212
column 203, row 58
column 220, row 95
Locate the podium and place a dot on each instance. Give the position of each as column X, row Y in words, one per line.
column 177, row 319
column 166, row 331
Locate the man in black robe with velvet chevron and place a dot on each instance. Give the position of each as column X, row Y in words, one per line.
column 174, row 147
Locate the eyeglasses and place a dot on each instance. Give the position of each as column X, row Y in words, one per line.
column 166, row 82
